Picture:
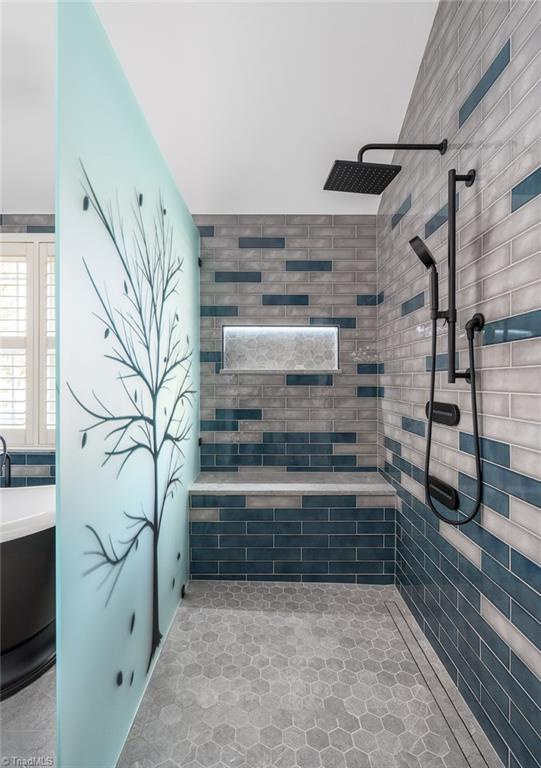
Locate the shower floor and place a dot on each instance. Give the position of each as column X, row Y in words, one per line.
column 255, row 675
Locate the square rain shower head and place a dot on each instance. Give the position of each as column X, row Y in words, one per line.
column 367, row 178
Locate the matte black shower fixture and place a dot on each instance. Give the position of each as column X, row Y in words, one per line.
column 445, row 413
column 370, row 178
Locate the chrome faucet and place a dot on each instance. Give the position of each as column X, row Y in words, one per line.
column 5, row 463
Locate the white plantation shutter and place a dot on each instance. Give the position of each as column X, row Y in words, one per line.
column 16, row 353
column 47, row 394
column 27, row 394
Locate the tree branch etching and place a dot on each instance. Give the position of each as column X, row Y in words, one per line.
column 153, row 359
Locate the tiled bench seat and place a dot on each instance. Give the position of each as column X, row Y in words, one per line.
column 272, row 526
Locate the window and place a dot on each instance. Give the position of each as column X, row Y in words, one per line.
column 27, row 341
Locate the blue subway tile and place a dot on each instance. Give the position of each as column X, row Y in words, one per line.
column 209, row 501
column 438, row 219
column 326, row 527
column 491, row 497
column 529, row 736
column 527, row 679
column 307, row 265
column 370, row 391
column 217, row 311
column 309, row 379
column 262, row 242
column 274, row 527
column 216, row 526
column 401, row 212
column 219, row 425
column 525, row 622
column 205, row 230
column 491, row 450
column 246, row 540
column 516, row 328
column 237, row 277
column 258, row 449
column 356, row 540
column 239, row 413
column 487, row 80
column 328, row 500
column 286, row 461
column 40, row 458
column 526, row 569
column 526, row 488
column 236, row 460
column 40, row 229
column 364, row 566
column 526, row 190
column 362, row 514
column 381, row 297
column 333, row 437
column 368, row 369
column 286, row 437
column 273, row 553
column 303, row 567
column 329, row 553
column 203, row 541
column 217, row 554
column 411, row 305
column 341, row 462
column 285, row 300
column 309, row 540
column 382, row 526
column 299, row 449
column 442, row 362
column 210, row 357
column 375, row 553
column 245, row 566
column 516, row 588
column 341, row 322
column 367, row 299
column 413, row 425
column 290, row 513
column 381, row 580
column 392, row 445
column 203, row 567
column 225, row 449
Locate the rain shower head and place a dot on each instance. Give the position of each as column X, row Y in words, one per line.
column 354, row 176
column 423, row 252
column 370, row 178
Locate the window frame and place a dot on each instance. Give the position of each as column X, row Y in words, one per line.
column 36, row 436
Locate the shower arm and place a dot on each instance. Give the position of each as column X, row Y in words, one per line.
column 450, row 314
column 441, row 148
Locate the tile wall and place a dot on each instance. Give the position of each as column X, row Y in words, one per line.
column 294, row 537
column 475, row 590
column 290, row 270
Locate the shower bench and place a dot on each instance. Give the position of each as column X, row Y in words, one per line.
column 279, row 526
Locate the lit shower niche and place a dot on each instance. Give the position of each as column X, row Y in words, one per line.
column 271, row 349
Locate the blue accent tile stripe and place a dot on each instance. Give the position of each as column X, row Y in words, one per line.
column 401, row 212
column 442, row 362
column 411, row 305
column 307, row 265
column 237, row 277
column 210, row 357
column 285, row 300
column 217, row 311
column 370, row 392
column 413, row 425
column 526, row 190
column 239, row 413
column 307, row 379
column 219, row 425
column 341, row 322
column 367, row 299
column 491, row 450
column 262, row 242
column 205, row 230
column 487, row 80
column 439, row 218
column 516, row 328
column 368, row 368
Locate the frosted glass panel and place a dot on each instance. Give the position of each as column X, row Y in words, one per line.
column 128, row 289
column 280, row 348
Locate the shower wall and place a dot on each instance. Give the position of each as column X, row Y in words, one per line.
column 474, row 590
column 301, row 271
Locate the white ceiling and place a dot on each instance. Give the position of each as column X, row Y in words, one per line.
column 250, row 102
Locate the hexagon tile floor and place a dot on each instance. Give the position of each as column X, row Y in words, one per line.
column 255, row 675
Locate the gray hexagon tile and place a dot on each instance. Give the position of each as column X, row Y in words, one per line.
column 268, row 675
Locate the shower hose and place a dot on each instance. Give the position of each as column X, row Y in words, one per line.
column 470, row 332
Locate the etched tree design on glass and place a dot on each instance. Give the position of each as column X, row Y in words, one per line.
column 144, row 339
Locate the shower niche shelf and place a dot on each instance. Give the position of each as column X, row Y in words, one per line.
column 296, row 349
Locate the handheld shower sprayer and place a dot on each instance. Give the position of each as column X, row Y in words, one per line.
column 443, row 412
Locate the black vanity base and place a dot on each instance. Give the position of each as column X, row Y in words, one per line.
column 22, row 665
